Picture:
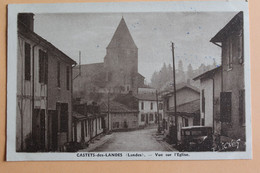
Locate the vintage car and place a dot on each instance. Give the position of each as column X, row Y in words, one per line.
column 196, row 138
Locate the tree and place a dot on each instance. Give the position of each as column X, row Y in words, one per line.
column 180, row 75
column 190, row 73
column 180, row 66
column 169, row 73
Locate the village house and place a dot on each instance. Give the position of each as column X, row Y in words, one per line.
column 232, row 95
column 44, row 91
column 145, row 101
column 88, row 123
column 188, row 108
column 150, row 107
column 119, row 116
column 210, row 88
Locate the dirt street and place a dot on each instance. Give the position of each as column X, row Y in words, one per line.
column 139, row 140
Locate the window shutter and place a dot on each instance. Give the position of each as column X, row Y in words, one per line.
column 203, row 101
column 40, row 66
column 242, row 107
column 58, row 74
column 46, row 68
column 225, row 106
column 68, row 77
column 27, row 61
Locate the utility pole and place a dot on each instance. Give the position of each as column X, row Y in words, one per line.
column 108, row 109
column 174, row 92
column 79, row 63
column 158, row 117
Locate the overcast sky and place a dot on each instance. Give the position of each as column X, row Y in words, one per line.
column 152, row 33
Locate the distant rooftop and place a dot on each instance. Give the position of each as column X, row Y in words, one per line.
column 190, row 107
column 179, row 87
column 115, row 107
column 147, row 96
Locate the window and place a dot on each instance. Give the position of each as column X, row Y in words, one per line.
column 63, row 109
column 142, row 105
column 151, row 117
column 230, row 52
column 242, row 107
column 27, row 61
column 203, row 101
column 43, row 67
column 187, row 133
column 86, row 129
column 225, row 106
column 103, row 123
column 241, row 47
column 58, row 74
column 186, row 122
column 68, row 77
column 160, row 106
column 142, row 117
column 151, row 105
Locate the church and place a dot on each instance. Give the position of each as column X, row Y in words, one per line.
column 118, row 74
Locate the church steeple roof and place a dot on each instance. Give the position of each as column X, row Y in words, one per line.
column 122, row 37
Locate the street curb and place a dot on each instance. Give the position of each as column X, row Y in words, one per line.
column 165, row 144
column 98, row 143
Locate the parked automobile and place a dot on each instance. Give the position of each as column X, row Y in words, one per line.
column 196, row 138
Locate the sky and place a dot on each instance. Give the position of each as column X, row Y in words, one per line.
column 153, row 33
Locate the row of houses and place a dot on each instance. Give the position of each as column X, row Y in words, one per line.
column 222, row 90
column 188, row 109
column 46, row 119
column 220, row 101
column 87, row 122
column 44, row 91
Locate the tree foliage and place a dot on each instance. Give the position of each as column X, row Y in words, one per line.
column 163, row 79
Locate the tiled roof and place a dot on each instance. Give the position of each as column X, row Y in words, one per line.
column 116, row 107
column 78, row 115
column 232, row 26
column 179, row 87
column 89, row 69
column 208, row 73
column 189, row 107
column 25, row 31
column 139, row 75
column 147, row 96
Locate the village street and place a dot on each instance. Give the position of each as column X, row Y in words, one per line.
column 138, row 140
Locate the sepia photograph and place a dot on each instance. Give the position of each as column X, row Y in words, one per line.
column 131, row 85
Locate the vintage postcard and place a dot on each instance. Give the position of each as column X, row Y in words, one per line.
column 129, row 81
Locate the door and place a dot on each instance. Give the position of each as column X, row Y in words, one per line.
column 38, row 129
column 42, row 130
column 146, row 119
column 54, row 130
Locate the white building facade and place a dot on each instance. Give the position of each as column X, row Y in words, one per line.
column 150, row 109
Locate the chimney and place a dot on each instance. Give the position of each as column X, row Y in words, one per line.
column 26, row 19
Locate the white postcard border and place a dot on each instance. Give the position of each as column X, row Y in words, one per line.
column 117, row 7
